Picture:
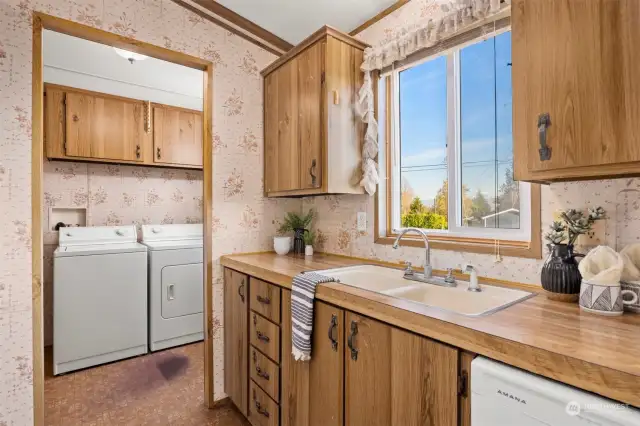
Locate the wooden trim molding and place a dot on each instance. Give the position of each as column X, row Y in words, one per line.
column 325, row 31
column 528, row 249
column 237, row 24
column 388, row 11
column 42, row 21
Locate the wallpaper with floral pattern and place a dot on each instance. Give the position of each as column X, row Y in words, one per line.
column 337, row 215
column 243, row 220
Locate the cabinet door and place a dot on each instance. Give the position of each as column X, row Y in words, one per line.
column 177, row 136
column 394, row 377
column 282, row 146
column 586, row 80
column 236, row 339
column 312, row 392
column 107, row 128
column 310, row 101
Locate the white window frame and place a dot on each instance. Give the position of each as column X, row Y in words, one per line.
column 456, row 229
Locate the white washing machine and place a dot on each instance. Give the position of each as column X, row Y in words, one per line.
column 99, row 297
column 176, row 284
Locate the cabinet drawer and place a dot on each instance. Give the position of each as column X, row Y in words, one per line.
column 265, row 336
column 265, row 299
column 263, row 411
column 265, row 373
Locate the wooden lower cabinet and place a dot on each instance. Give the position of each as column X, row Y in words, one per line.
column 362, row 372
column 236, row 339
column 394, row 377
column 312, row 392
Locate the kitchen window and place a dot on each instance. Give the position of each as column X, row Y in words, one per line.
column 448, row 148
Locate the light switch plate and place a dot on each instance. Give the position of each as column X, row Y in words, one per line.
column 362, row 221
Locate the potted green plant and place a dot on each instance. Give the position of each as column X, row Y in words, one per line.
column 298, row 224
column 560, row 276
column 309, row 241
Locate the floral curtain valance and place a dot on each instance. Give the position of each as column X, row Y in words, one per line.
column 455, row 17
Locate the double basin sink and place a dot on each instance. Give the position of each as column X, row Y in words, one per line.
column 390, row 282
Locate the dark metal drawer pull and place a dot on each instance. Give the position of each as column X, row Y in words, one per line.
column 259, row 408
column 262, row 337
column 332, row 326
column 259, row 371
column 354, row 331
column 264, row 300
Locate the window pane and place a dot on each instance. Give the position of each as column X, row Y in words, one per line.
column 423, row 145
column 486, row 154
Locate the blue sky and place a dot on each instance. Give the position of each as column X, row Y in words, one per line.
column 485, row 130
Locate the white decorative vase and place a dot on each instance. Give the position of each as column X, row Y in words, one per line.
column 282, row 245
column 308, row 251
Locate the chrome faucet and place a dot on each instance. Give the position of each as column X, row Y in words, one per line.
column 427, row 255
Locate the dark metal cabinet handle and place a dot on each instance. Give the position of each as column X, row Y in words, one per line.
column 259, row 371
column 312, row 172
column 544, row 121
column 264, row 300
column 137, row 151
column 259, row 408
column 158, row 153
column 241, row 291
column 354, row 331
column 262, row 337
column 332, row 326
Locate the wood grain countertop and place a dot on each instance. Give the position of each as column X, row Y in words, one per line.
column 554, row 339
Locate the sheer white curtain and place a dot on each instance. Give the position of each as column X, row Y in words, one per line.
column 455, row 16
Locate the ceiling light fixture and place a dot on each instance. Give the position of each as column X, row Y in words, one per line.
column 130, row 56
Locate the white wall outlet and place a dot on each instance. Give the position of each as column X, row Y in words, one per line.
column 362, row 221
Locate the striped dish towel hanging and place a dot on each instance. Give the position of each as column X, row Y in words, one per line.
column 303, row 291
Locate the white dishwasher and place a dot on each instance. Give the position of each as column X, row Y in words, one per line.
column 506, row 396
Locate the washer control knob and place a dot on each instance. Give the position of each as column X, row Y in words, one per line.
column 120, row 232
column 156, row 230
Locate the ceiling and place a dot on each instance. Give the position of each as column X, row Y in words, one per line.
column 294, row 20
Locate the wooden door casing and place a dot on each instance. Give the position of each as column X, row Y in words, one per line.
column 585, row 83
column 397, row 378
column 177, row 136
column 236, row 338
column 312, row 392
column 104, row 127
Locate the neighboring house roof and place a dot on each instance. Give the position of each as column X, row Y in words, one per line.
column 511, row 210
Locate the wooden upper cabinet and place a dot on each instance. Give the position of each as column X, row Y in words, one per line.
column 313, row 138
column 177, row 136
column 578, row 62
column 394, row 377
column 89, row 126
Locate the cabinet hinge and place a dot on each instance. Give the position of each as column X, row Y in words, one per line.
column 463, row 384
column 322, row 77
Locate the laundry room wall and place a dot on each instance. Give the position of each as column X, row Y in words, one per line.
column 243, row 220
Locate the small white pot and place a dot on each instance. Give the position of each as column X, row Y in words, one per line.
column 282, row 245
column 308, row 250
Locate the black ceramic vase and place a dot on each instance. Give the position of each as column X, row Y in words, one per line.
column 560, row 275
column 298, row 240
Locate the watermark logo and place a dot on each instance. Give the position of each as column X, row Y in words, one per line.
column 573, row 408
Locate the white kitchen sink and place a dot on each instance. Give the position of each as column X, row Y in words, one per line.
column 390, row 282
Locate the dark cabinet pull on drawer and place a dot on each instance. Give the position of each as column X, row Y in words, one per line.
column 262, row 337
column 263, row 300
column 259, row 371
column 241, row 291
column 259, row 408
